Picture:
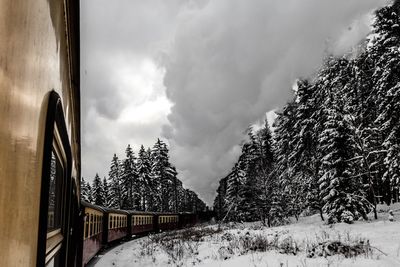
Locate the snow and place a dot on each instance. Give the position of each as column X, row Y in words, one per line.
column 215, row 250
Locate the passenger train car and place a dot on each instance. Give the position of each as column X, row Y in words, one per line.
column 103, row 226
column 39, row 132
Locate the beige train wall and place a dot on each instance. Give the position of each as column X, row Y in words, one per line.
column 37, row 55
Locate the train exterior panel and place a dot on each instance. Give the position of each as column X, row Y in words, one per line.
column 93, row 228
column 117, row 225
column 141, row 223
column 39, row 131
column 168, row 222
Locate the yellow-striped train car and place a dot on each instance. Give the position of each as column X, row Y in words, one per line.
column 39, row 132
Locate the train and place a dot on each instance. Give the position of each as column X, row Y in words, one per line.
column 43, row 221
column 104, row 226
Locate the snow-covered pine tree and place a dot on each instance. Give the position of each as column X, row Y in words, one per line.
column 343, row 199
column 233, row 198
column 85, row 191
column 129, row 181
column 106, row 193
column 265, row 164
column 144, row 172
column 250, row 190
column 385, row 53
column 303, row 191
column 219, row 206
column 285, row 178
column 115, row 183
column 160, row 177
column 97, row 191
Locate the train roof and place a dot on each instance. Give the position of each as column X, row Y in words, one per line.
column 112, row 210
column 130, row 212
column 134, row 212
column 92, row 206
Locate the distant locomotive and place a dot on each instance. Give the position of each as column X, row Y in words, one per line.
column 101, row 226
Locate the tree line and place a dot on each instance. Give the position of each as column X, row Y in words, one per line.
column 334, row 148
column 147, row 182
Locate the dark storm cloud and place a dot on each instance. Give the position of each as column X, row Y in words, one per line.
column 234, row 60
column 226, row 63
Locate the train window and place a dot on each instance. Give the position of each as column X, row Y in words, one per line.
column 54, row 211
column 55, row 195
column 96, row 229
column 91, row 225
column 94, row 224
column 86, row 226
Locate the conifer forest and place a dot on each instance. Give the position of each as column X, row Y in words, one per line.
column 147, row 182
column 334, row 149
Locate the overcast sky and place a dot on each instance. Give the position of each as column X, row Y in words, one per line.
column 198, row 73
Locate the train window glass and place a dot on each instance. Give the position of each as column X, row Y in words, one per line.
column 55, row 195
column 86, row 225
column 91, row 224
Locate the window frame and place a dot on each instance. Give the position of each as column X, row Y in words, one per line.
column 54, row 243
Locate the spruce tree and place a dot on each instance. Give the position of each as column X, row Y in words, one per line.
column 97, row 191
column 106, row 193
column 343, row 199
column 115, row 183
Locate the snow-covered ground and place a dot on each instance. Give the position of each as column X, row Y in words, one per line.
column 241, row 245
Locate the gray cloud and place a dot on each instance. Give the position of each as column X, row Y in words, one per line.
column 226, row 63
column 121, row 84
column 232, row 61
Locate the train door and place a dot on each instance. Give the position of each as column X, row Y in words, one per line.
column 56, row 210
